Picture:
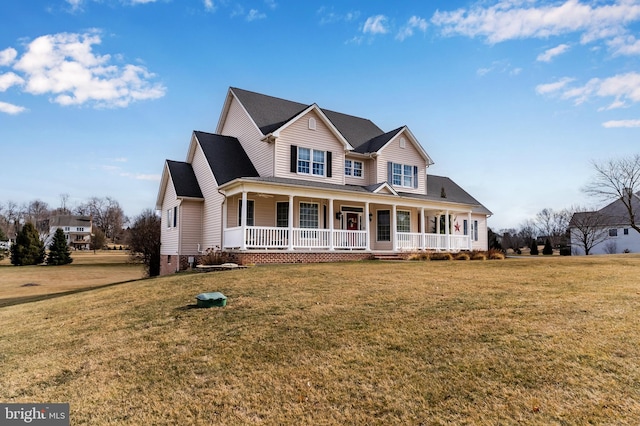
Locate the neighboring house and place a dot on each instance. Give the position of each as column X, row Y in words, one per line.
column 611, row 229
column 282, row 181
column 77, row 230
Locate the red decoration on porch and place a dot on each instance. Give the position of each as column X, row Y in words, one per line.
column 457, row 226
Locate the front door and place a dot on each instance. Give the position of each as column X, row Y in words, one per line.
column 352, row 222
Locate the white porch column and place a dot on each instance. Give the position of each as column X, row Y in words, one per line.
column 290, row 222
column 446, row 230
column 470, row 234
column 422, row 230
column 225, row 208
column 367, row 226
column 243, row 220
column 331, row 247
column 394, row 228
column 438, row 224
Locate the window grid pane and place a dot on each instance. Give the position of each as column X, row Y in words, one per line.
column 397, row 174
column 318, row 163
column 304, row 157
column 282, row 215
column 308, row 215
column 357, row 168
column 404, row 221
column 347, row 167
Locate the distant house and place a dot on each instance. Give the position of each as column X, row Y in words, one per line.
column 613, row 229
column 77, row 230
column 282, row 181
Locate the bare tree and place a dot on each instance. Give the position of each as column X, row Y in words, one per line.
column 618, row 179
column 553, row 224
column 588, row 228
column 106, row 213
column 144, row 241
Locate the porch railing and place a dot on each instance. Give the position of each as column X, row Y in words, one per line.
column 267, row 237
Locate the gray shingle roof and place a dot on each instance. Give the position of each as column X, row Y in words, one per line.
column 374, row 145
column 269, row 113
column 184, row 179
column 455, row 194
column 226, row 157
column 70, row 220
column 613, row 214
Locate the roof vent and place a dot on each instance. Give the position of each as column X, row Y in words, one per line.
column 403, row 143
column 312, row 124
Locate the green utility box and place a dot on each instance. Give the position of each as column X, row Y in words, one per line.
column 209, row 300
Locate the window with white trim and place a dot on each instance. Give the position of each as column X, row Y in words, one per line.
column 613, row 232
column 353, row 168
column 311, row 161
column 403, row 175
column 172, row 217
column 309, row 215
column 403, row 221
column 250, row 207
column 475, row 230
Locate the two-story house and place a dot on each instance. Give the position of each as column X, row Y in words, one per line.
column 77, row 230
column 281, row 181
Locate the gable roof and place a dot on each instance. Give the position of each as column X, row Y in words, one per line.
column 69, row 220
column 226, row 157
column 184, row 179
column 270, row 113
column 613, row 214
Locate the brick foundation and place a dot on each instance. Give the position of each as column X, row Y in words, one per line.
column 169, row 264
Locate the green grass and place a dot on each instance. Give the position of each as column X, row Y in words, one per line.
column 531, row 341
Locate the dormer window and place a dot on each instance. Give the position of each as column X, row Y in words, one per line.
column 353, row 168
column 312, row 124
column 311, row 161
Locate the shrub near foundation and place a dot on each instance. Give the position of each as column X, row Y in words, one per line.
column 463, row 256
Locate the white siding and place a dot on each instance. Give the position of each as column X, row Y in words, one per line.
column 322, row 138
column 169, row 236
column 212, row 206
column 190, row 225
column 239, row 125
column 366, row 172
column 409, row 156
column 483, row 236
column 610, row 245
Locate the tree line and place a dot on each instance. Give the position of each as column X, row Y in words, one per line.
column 615, row 179
column 27, row 225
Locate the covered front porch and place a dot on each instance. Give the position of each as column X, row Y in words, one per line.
column 265, row 218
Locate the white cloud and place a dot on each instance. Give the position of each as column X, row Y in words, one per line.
column 543, row 89
column 328, row 16
column 375, row 25
column 7, row 56
column 140, row 176
column 209, row 6
column 271, row 4
column 414, row 23
column 65, row 66
column 621, row 123
column 509, row 19
column 75, row 4
column 549, row 54
column 11, row 109
column 625, row 45
column 623, row 88
column 9, row 79
column 500, row 67
column 254, row 15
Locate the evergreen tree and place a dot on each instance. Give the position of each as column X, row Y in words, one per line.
column 534, row 247
column 59, row 253
column 548, row 249
column 28, row 249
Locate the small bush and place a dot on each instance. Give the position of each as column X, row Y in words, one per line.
column 441, row 256
column 214, row 257
column 495, row 254
column 419, row 256
column 478, row 255
column 463, row 256
column 548, row 249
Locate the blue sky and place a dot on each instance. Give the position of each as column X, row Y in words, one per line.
column 512, row 99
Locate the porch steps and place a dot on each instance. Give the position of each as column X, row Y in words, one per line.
column 387, row 256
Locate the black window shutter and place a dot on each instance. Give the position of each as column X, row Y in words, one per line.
column 328, row 163
column 294, row 159
column 389, row 172
column 415, row 176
